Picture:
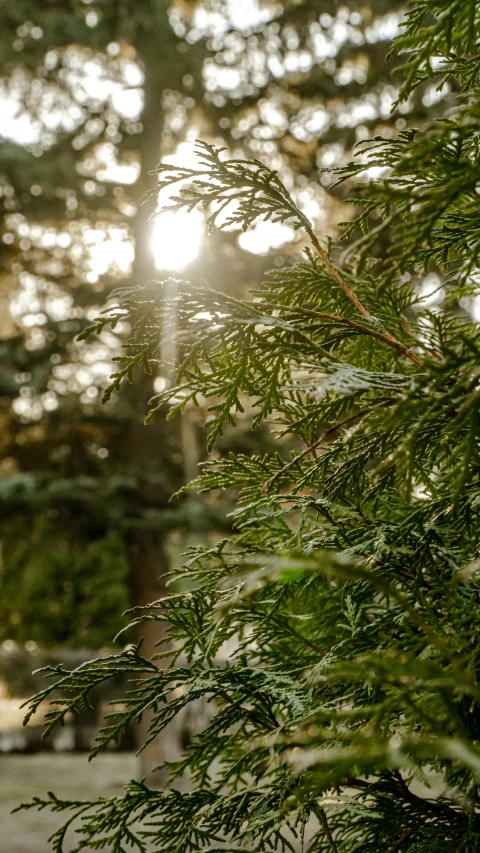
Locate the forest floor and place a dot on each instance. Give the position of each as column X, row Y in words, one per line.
column 23, row 777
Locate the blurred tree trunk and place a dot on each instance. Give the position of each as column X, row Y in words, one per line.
column 146, row 547
column 148, row 565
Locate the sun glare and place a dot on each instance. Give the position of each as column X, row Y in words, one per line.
column 177, row 239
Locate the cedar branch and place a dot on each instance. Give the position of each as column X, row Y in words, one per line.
column 384, row 335
column 361, row 413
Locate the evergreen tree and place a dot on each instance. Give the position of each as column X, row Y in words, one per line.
column 335, row 632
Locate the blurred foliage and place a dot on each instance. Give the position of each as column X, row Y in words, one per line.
column 71, row 592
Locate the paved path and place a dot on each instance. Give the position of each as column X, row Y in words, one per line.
column 25, row 776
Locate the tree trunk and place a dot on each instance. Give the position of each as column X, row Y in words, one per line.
column 145, row 444
column 148, row 565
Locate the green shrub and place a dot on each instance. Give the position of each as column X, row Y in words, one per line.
column 58, row 591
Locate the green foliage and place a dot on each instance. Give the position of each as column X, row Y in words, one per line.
column 335, row 632
column 70, row 594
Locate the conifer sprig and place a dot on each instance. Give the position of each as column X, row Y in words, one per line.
column 254, row 192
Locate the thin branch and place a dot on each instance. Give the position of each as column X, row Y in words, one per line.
column 385, row 336
column 251, row 714
column 344, row 321
column 361, row 413
column 411, row 829
column 402, row 790
column 336, row 275
column 322, row 817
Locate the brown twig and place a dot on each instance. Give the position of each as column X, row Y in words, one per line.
column 411, row 829
column 326, row 434
column 402, row 790
column 344, row 321
column 384, row 335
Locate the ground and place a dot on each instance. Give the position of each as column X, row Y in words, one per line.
column 23, row 777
